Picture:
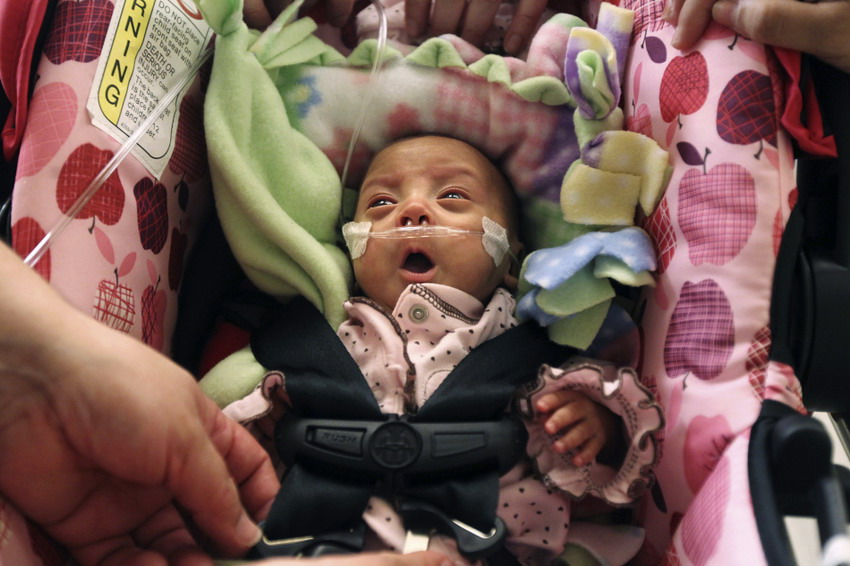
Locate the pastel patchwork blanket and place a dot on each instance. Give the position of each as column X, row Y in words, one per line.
column 282, row 107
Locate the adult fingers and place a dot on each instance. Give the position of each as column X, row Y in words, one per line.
column 818, row 28
column 522, row 26
column 416, row 14
column 165, row 532
column 670, row 14
column 446, row 17
column 428, row 558
column 202, row 483
column 338, row 11
column 256, row 14
column 690, row 18
column 478, row 19
column 250, row 466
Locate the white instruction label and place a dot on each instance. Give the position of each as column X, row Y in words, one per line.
column 150, row 43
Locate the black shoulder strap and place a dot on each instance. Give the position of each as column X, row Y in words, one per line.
column 483, row 383
column 323, row 381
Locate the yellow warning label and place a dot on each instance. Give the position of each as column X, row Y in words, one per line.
column 132, row 25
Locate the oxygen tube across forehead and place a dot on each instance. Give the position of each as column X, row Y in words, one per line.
column 494, row 237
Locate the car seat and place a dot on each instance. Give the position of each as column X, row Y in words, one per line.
column 729, row 326
column 682, row 518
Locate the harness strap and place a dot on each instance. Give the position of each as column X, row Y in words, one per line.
column 324, row 382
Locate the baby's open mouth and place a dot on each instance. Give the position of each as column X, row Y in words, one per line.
column 417, row 263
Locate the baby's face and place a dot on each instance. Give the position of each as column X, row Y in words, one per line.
column 432, row 181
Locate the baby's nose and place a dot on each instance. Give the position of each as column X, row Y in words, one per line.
column 414, row 214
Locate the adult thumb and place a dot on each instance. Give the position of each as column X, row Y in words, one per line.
column 818, row 28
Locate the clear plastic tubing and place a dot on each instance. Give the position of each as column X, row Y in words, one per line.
column 50, row 237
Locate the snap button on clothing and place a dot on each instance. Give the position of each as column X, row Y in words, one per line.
column 418, row 313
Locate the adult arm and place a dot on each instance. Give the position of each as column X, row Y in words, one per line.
column 110, row 446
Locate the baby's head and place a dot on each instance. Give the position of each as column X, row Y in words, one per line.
column 435, row 181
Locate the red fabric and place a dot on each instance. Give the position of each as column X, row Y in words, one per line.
column 226, row 339
column 801, row 115
column 20, row 23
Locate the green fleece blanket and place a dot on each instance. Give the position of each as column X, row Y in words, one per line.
column 281, row 108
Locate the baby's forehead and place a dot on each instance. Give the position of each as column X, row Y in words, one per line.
column 433, row 156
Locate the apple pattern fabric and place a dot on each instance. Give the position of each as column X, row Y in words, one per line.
column 122, row 258
column 716, row 231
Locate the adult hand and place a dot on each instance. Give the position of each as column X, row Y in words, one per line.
column 258, row 14
column 110, row 446
column 818, row 28
column 429, row 558
column 472, row 19
column 584, row 426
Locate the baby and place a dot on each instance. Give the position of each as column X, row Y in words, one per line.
column 442, row 182
column 434, row 246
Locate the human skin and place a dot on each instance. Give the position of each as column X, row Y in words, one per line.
column 114, row 450
column 441, row 181
column 108, row 444
column 471, row 19
column 818, row 28
column 258, row 14
column 435, row 181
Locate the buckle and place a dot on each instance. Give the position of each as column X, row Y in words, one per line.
column 424, row 519
column 397, row 446
column 340, row 542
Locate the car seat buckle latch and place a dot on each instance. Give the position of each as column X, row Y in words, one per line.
column 424, row 520
column 340, row 542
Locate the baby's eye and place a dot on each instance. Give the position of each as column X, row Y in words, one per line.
column 380, row 201
column 453, row 194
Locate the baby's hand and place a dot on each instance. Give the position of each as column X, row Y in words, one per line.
column 583, row 425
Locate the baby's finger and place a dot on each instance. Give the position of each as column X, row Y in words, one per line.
column 572, row 438
column 256, row 14
column 552, row 401
column 561, row 419
column 587, row 451
column 338, row 11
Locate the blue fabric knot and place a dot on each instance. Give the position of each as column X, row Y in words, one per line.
column 549, row 268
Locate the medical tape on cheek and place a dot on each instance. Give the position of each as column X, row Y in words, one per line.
column 356, row 236
column 495, row 240
column 494, row 237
